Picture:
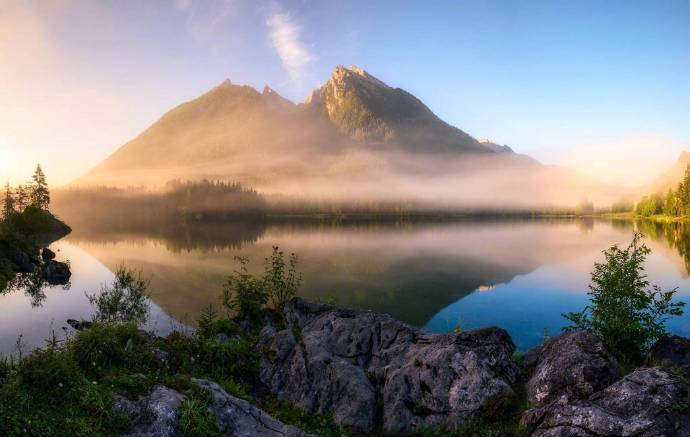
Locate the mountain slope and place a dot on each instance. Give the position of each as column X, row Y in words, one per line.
column 671, row 177
column 367, row 109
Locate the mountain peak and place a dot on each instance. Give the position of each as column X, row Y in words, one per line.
column 342, row 75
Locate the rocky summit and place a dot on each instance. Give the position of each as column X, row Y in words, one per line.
column 364, row 368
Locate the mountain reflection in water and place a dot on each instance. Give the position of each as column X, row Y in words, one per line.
column 517, row 274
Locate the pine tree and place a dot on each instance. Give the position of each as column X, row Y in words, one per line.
column 9, row 205
column 40, row 196
column 22, row 198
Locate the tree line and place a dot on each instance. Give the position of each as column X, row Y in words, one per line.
column 34, row 194
column 675, row 203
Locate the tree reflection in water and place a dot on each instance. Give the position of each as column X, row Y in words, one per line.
column 33, row 285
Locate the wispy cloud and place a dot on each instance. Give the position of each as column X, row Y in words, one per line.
column 285, row 37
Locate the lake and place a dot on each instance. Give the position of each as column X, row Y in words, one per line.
column 517, row 274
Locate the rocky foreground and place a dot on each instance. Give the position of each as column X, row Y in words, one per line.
column 374, row 374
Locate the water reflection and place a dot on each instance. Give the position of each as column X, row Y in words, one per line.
column 518, row 274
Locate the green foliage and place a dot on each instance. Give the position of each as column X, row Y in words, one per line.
column 210, row 325
column 244, row 293
column 51, row 371
column 650, row 206
column 322, row 426
column 103, row 347
column 39, row 194
column 219, row 360
column 281, row 278
column 675, row 203
column 247, row 294
column 625, row 311
column 125, row 301
column 194, row 419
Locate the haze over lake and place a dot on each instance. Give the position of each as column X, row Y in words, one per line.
column 516, row 274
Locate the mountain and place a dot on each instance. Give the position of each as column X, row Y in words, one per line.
column 671, row 177
column 366, row 109
column 354, row 138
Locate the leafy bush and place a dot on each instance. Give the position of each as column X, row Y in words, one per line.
column 210, row 325
column 51, row 371
column 244, row 293
column 126, row 300
column 247, row 294
column 625, row 311
column 102, row 347
column 281, row 279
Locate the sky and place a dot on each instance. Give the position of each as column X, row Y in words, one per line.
column 603, row 87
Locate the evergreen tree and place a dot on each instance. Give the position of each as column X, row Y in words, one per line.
column 22, row 198
column 40, row 196
column 9, row 205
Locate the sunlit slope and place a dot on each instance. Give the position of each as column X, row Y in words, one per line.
column 355, row 138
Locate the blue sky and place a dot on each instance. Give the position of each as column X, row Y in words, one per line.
column 601, row 86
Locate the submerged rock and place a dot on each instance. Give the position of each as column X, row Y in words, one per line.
column 56, row 273
column 574, row 365
column 647, row 402
column 23, row 263
column 363, row 367
column 152, row 415
column 237, row 417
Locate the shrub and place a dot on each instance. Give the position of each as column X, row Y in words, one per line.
column 281, row 279
column 210, row 325
column 625, row 311
column 126, row 300
column 102, row 347
column 51, row 371
column 244, row 293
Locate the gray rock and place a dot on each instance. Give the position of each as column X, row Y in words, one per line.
column 79, row 325
column 355, row 365
column 56, row 273
column 644, row 403
column 574, row 364
column 47, row 254
column 531, row 357
column 238, row 418
column 670, row 351
column 152, row 415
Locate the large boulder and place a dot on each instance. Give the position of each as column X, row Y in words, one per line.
column 647, row 402
column 56, row 273
column 152, row 415
column 670, row 351
column 236, row 417
column 23, row 263
column 574, row 364
column 363, row 368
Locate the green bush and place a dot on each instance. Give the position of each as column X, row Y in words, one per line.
column 625, row 311
column 126, row 300
column 103, row 347
column 244, row 293
column 281, row 278
column 51, row 371
column 210, row 325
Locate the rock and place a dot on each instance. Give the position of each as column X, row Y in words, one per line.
column 531, row 357
column 161, row 355
column 47, row 254
column 152, row 415
column 237, row 417
column 363, row 367
column 79, row 325
column 56, row 273
column 22, row 262
column 574, row 364
column 647, row 402
column 670, row 351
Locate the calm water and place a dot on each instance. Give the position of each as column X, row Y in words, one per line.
column 520, row 275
